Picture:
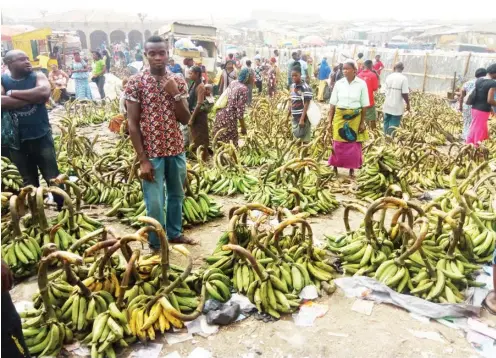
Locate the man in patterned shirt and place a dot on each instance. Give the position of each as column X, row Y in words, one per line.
column 156, row 105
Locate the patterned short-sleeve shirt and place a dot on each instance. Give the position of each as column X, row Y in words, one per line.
column 162, row 136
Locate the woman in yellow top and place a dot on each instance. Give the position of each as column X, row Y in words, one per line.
column 347, row 119
column 99, row 69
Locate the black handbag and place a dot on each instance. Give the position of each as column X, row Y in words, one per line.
column 471, row 96
column 10, row 130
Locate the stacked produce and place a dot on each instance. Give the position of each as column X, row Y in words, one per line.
column 44, row 333
column 379, row 172
column 432, row 120
column 11, row 179
column 228, row 176
column 108, row 304
column 270, row 266
column 20, row 250
column 455, row 233
column 89, row 113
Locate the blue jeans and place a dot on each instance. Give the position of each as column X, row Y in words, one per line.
column 170, row 171
column 391, row 123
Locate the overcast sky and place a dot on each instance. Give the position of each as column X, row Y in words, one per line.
column 329, row 10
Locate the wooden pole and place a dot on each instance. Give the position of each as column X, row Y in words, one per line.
column 395, row 60
column 425, row 72
column 466, row 65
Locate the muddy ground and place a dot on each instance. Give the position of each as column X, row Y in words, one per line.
column 340, row 333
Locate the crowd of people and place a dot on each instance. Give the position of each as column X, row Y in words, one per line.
column 167, row 106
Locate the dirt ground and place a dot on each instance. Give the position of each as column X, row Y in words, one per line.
column 385, row 333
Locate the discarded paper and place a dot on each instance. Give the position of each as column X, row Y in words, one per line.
column 151, row 350
column 200, row 352
column 362, row 306
column 308, row 313
column 433, row 336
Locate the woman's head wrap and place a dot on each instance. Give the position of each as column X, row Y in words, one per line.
column 243, row 75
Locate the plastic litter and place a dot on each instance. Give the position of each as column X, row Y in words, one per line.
column 362, row 306
column 22, row 306
column 308, row 313
column 244, row 303
column 482, row 328
column 309, row 293
column 201, row 327
column 174, row 338
column 420, row 318
column 173, row 355
column 211, row 305
column 200, row 352
column 433, row 336
column 151, row 350
column 227, row 314
column 370, row 289
column 483, row 344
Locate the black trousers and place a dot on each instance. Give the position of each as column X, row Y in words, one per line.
column 100, row 83
column 37, row 154
column 13, row 345
column 259, row 86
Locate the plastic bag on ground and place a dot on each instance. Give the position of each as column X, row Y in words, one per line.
column 224, row 316
column 370, row 289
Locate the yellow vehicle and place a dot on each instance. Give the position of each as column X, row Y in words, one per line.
column 40, row 44
column 33, row 43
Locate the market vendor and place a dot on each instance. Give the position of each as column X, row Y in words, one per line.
column 24, row 94
column 156, row 136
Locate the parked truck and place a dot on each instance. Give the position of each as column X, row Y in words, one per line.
column 203, row 37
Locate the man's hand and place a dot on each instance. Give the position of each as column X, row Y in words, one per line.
column 243, row 130
column 171, row 88
column 408, row 107
column 146, row 170
column 362, row 127
column 7, row 277
column 302, row 122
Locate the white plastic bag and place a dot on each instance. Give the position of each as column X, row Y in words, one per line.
column 313, row 114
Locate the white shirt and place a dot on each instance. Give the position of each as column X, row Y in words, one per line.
column 396, row 85
column 350, row 95
column 304, row 68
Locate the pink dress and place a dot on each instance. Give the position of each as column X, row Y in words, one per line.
column 479, row 131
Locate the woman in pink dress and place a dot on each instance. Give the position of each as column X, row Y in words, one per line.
column 485, row 90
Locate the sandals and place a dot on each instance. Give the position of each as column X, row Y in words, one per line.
column 489, row 309
column 183, row 240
